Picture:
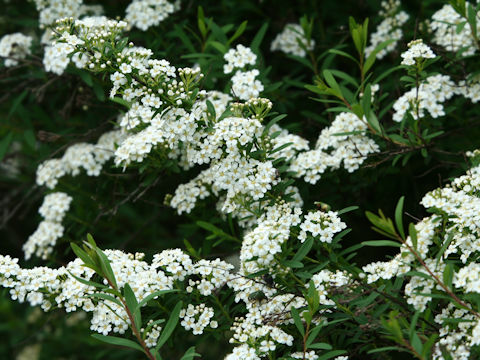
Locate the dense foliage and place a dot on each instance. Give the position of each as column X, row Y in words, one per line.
column 263, row 179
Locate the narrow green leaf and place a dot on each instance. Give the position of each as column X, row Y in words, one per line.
column 448, row 275
column 304, row 250
column 347, row 209
column 381, row 243
column 170, row 325
column 413, row 235
column 5, row 144
column 113, row 340
column 105, row 297
column 240, row 30
column 398, row 217
column 87, row 282
column 297, row 321
column 330, row 80
column 330, row 354
column 190, row 354
column 153, row 295
column 258, row 38
column 132, row 304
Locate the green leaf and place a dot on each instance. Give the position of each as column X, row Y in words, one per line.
column 373, row 55
column 398, row 217
column 201, row 22
column 271, row 123
column 153, row 295
column 82, row 255
column 321, row 346
column 190, row 354
column 313, row 335
column 239, row 32
column 132, row 304
column 330, row 80
column 87, row 282
column 297, row 321
column 445, row 246
column 472, row 19
column 448, row 275
column 16, row 103
column 118, row 341
column 381, row 243
column 170, row 325
column 219, row 33
column 5, row 144
column 347, row 209
column 106, row 267
column 219, row 46
column 386, row 349
column 258, row 38
column 330, row 354
column 121, row 101
column 105, row 297
column 342, row 53
column 413, row 235
column 304, row 250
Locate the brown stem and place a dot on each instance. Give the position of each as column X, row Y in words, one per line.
column 134, row 328
column 437, row 279
column 305, row 337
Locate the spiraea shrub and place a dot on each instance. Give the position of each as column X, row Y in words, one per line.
column 240, row 179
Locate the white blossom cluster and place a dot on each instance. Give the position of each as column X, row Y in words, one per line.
column 15, row 47
column 197, row 318
column 323, row 225
column 455, row 337
column 325, row 279
column 333, row 150
column 88, row 157
column 416, row 50
column 428, row 97
column 43, row 240
column 460, row 204
column 447, row 33
column 239, row 57
column 245, row 86
column 260, row 245
column 52, row 288
column 52, row 10
column 94, row 29
column 401, row 263
column 144, row 14
column 389, row 29
column 292, row 40
column 297, row 143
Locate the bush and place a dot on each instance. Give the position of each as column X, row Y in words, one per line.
column 263, row 180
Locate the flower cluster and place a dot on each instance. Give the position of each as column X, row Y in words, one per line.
column 389, row 29
column 245, row 86
column 459, row 205
column 322, row 225
column 144, row 14
column 292, row 40
column 239, row 57
column 197, row 318
column 260, row 245
column 332, row 150
column 15, row 47
column 53, row 210
column 447, row 33
column 416, row 50
column 428, row 97
column 85, row 156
